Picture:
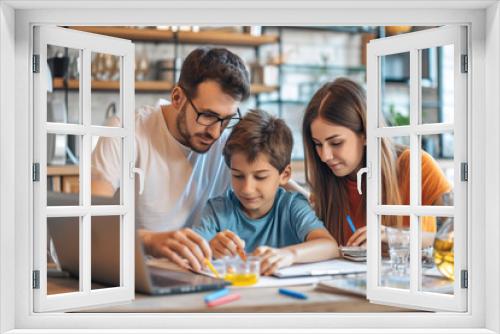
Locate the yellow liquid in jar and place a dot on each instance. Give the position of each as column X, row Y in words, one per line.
column 242, row 279
column 444, row 257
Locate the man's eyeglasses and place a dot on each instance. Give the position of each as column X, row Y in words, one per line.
column 208, row 119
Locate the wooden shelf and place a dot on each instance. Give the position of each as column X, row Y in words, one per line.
column 258, row 89
column 183, row 37
column 140, row 86
column 63, row 178
column 225, row 38
column 145, row 86
column 63, row 170
column 134, row 34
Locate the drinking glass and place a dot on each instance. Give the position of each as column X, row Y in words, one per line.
column 398, row 240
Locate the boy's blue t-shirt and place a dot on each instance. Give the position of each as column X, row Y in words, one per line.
column 288, row 223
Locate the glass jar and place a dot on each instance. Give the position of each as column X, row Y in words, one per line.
column 444, row 255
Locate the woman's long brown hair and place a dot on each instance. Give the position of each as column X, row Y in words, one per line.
column 343, row 102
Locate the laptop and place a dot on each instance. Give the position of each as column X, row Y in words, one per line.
column 105, row 254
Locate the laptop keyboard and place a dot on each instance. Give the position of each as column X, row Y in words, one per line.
column 159, row 280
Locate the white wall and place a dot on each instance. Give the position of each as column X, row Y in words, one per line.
column 7, row 175
column 492, row 195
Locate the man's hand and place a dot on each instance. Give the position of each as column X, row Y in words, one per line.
column 273, row 258
column 185, row 247
column 226, row 243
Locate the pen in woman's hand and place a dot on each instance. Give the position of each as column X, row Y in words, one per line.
column 351, row 224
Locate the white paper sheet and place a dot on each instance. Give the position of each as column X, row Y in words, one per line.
column 331, row 267
column 270, row 281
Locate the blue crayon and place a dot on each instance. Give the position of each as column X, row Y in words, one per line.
column 292, row 293
column 351, row 225
column 216, row 295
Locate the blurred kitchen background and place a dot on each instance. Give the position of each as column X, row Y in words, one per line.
column 287, row 65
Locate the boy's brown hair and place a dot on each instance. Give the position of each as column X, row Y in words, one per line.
column 259, row 132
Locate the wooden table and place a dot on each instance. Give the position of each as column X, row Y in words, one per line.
column 253, row 300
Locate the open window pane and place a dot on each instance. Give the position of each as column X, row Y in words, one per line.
column 105, row 251
column 394, row 170
column 62, row 160
column 438, row 259
column 63, row 93
column 437, row 85
column 395, row 88
column 105, row 90
column 437, row 169
column 63, row 234
column 438, row 152
column 63, row 169
column 395, row 236
column 107, row 170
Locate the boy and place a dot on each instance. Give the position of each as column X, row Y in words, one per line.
column 257, row 215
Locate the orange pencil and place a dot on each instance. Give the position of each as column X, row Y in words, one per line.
column 242, row 254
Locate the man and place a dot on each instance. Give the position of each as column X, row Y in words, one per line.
column 179, row 148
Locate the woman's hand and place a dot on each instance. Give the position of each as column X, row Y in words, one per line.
column 226, row 243
column 273, row 258
column 358, row 238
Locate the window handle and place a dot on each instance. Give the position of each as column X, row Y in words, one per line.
column 140, row 173
column 360, row 173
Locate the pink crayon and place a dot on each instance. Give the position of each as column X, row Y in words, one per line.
column 224, row 300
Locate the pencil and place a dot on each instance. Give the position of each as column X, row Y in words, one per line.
column 224, row 300
column 351, row 225
column 292, row 293
column 216, row 295
column 242, row 254
column 212, row 268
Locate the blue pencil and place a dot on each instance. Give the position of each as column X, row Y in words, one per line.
column 292, row 293
column 216, row 295
column 351, row 225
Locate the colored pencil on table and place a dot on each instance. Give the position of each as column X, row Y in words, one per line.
column 292, row 293
column 224, row 300
column 216, row 295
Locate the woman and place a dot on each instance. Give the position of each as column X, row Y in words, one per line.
column 334, row 134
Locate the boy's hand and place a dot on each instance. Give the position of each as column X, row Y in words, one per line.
column 226, row 243
column 273, row 258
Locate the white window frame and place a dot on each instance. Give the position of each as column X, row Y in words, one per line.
column 16, row 19
column 124, row 50
column 413, row 43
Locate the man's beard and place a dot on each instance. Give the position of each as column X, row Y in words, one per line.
column 187, row 138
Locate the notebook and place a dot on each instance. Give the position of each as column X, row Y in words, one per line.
column 351, row 285
column 353, row 253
